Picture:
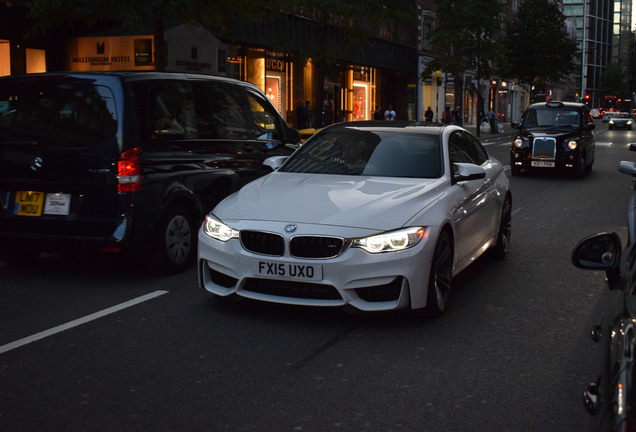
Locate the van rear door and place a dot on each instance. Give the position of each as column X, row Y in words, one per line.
column 58, row 154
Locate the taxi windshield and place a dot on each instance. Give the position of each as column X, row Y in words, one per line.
column 551, row 117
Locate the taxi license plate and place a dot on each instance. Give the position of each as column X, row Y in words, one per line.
column 542, row 164
column 35, row 203
column 285, row 270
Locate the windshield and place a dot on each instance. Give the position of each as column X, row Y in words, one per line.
column 366, row 153
column 551, row 117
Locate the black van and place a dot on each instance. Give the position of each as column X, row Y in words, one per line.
column 126, row 161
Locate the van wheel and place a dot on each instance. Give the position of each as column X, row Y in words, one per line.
column 175, row 241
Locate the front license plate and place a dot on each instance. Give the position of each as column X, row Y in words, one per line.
column 542, row 164
column 28, row 203
column 293, row 271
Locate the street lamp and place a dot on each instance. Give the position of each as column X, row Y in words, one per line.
column 438, row 76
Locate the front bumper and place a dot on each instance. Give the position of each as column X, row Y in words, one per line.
column 367, row 282
column 522, row 158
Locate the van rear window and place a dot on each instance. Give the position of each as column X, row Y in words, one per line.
column 60, row 112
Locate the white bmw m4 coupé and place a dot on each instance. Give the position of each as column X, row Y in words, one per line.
column 376, row 216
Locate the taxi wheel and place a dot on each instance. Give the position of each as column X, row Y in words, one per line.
column 441, row 275
column 175, row 241
column 581, row 169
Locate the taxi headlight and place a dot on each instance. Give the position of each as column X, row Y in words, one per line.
column 611, row 121
column 216, row 229
column 392, row 241
column 572, row 145
column 518, row 142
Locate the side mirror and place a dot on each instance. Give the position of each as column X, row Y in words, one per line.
column 467, row 172
column 515, row 125
column 275, row 162
column 627, row 167
column 292, row 136
column 632, row 147
column 591, row 126
column 600, row 251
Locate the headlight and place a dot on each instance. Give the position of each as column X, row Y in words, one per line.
column 518, row 142
column 392, row 241
column 611, row 121
column 572, row 144
column 218, row 230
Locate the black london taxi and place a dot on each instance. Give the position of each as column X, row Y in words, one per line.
column 125, row 161
column 554, row 136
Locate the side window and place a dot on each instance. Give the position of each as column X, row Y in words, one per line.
column 171, row 111
column 474, row 148
column 220, row 111
column 457, row 151
column 265, row 119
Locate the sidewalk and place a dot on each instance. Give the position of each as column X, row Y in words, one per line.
column 507, row 131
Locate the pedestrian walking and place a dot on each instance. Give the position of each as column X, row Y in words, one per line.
column 492, row 119
column 456, row 115
column 428, row 115
column 389, row 114
column 377, row 114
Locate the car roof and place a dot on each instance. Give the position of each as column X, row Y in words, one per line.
column 133, row 76
column 558, row 104
column 392, row 126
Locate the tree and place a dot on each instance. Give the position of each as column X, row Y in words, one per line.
column 538, row 48
column 612, row 81
column 464, row 40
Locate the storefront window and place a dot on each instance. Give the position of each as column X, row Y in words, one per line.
column 5, row 58
column 361, row 109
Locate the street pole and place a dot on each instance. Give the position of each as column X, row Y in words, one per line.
column 438, row 76
column 583, row 47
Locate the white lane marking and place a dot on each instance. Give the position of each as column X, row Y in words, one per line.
column 80, row 321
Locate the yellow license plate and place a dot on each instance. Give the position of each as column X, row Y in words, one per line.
column 28, row 203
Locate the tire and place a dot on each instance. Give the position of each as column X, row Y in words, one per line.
column 581, row 169
column 175, row 244
column 500, row 249
column 441, row 275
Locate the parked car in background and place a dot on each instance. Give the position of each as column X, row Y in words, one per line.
column 126, row 161
column 595, row 113
column 622, row 120
column 373, row 215
column 554, row 136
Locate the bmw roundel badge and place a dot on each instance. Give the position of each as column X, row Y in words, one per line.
column 291, row 228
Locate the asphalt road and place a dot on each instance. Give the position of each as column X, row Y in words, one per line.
column 92, row 344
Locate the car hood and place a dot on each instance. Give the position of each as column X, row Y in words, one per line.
column 557, row 133
column 363, row 202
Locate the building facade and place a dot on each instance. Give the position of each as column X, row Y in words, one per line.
column 592, row 22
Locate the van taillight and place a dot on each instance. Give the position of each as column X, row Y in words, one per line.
column 129, row 171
